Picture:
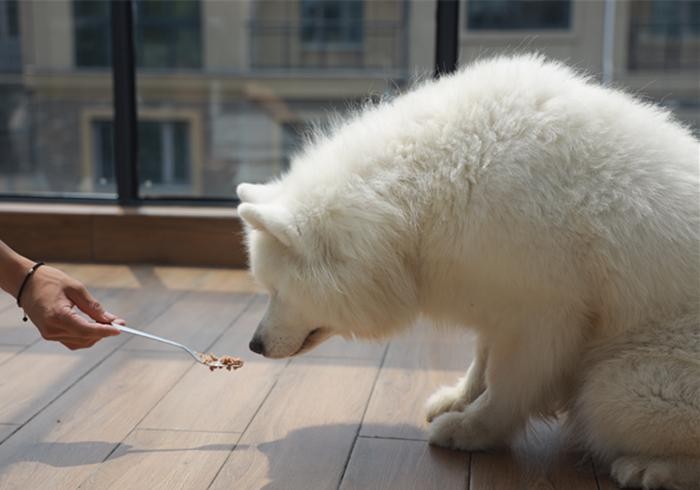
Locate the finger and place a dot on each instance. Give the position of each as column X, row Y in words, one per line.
column 77, row 344
column 82, row 298
column 76, row 326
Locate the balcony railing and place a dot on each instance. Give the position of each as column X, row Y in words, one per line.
column 661, row 47
column 379, row 46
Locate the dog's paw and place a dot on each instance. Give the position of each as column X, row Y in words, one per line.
column 458, row 430
column 445, row 399
column 646, row 473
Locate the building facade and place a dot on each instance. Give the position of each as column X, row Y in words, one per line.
column 226, row 87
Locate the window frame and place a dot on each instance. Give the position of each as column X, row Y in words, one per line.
column 125, row 114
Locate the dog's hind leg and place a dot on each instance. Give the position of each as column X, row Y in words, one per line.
column 468, row 388
column 639, row 408
column 650, row 472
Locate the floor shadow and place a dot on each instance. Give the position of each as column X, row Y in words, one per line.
column 315, row 457
column 71, row 454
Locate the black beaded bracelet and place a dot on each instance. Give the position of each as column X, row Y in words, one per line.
column 30, row 273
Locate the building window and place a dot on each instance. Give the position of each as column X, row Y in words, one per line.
column 664, row 35
column 335, row 23
column 10, row 53
column 10, row 26
column 92, row 33
column 167, row 34
column 164, row 155
column 489, row 15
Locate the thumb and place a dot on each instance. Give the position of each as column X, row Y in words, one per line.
column 82, row 298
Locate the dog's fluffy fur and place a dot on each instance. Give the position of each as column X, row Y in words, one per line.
column 557, row 218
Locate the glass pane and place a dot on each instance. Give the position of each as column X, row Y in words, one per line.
column 647, row 47
column 518, row 14
column 55, row 98
column 233, row 85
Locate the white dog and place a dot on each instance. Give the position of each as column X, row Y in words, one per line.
column 557, row 218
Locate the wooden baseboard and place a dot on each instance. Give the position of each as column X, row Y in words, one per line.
column 114, row 234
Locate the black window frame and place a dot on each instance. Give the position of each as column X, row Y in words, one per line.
column 125, row 117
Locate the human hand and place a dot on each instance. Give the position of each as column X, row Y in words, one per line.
column 48, row 300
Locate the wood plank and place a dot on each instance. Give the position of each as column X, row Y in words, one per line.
column 536, row 460
column 605, row 482
column 149, row 277
column 29, row 381
column 339, row 347
column 305, row 429
column 9, row 351
column 223, row 281
column 27, row 233
column 196, row 402
column 14, row 331
column 204, row 241
column 170, row 235
column 195, row 320
column 158, row 459
column 103, row 275
column 6, row 301
column 37, row 375
column 6, row 430
column 416, row 365
column 388, row 464
column 67, row 441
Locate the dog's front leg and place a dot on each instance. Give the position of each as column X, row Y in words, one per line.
column 522, row 376
column 468, row 388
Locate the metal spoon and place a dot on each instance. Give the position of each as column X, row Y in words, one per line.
column 197, row 356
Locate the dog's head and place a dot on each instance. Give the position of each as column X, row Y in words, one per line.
column 327, row 272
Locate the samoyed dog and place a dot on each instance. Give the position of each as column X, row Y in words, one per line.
column 558, row 219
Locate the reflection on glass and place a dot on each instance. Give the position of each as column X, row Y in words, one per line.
column 647, row 47
column 518, row 14
column 665, row 35
column 226, row 89
column 54, row 78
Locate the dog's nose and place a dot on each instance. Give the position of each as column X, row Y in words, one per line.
column 257, row 346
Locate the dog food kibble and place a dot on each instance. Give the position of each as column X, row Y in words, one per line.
column 227, row 362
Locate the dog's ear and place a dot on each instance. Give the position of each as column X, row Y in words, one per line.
column 273, row 219
column 257, row 193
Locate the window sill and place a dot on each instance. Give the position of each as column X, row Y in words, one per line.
column 175, row 235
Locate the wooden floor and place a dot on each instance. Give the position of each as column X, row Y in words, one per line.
column 133, row 414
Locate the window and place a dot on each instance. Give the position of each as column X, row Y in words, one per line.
column 321, row 35
column 91, row 21
column 11, row 20
column 167, row 33
column 164, row 155
column 334, row 22
column 518, row 14
column 664, row 34
column 10, row 53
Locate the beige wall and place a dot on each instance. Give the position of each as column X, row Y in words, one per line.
column 421, row 37
column 47, row 34
column 225, row 34
column 582, row 44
